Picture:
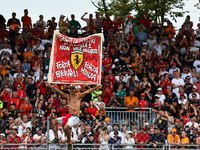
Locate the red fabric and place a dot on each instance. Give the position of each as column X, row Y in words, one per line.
column 146, row 22
column 24, row 137
column 111, row 79
column 106, row 62
column 22, row 85
column 185, row 120
column 65, row 119
column 3, row 35
column 63, row 112
column 16, row 101
column 27, row 109
column 61, row 87
column 4, row 147
column 11, row 141
column 106, row 22
column 107, row 96
column 5, row 96
column 143, row 104
column 167, row 83
column 22, row 94
column 26, row 21
column 117, row 25
column 91, row 111
column 41, row 87
column 142, row 139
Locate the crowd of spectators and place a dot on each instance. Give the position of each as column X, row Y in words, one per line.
column 145, row 65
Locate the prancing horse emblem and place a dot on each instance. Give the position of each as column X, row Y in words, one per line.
column 76, row 59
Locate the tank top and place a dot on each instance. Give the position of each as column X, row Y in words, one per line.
column 27, row 110
column 25, row 67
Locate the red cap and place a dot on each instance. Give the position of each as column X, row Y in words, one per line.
column 182, row 94
column 177, row 120
column 162, row 131
column 129, row 16
column 44, row 118
column 164, row 66
column 49, row 100
column 143, row 128
column 173, row 63
column 142, row 94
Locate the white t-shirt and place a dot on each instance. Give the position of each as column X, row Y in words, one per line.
column 150, row 43
column 179, row 102
column 15, row 75
column 128, row 141
column 129, row 25
column 177, row 82
column 178, row 95
column 20, row 131
column 161, row 98
column 32, row 78
column 171, row 70
column 189, row 124
column 51, row 135
column 197, row 43
column 2, row 51
column 184, row 75
column 38, row 78
column 112, row 134
column 41, row 47
column 45, row 41
column 197, row 63
column 28, row 124
column 193, row 49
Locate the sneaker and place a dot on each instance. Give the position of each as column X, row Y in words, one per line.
column 54, row 141
column 69, row 147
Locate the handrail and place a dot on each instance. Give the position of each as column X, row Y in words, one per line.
column 126, row 108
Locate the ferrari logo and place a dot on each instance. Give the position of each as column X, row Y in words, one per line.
column 76, row 59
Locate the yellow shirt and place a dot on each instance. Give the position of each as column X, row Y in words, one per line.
column 27, row 55
column 3, row 71
column 173, row 139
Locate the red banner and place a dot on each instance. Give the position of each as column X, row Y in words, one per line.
column 75, row 60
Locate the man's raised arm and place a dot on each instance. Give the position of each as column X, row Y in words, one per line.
column 64, row 95
column 81, row 95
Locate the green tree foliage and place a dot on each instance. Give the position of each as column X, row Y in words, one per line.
column 157, row 9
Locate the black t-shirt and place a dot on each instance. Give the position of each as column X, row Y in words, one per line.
column 122, row 62
column 83, row 111
column 30, row 89
column 188, row 90
column 11, row 20
column 190, row 56
column 115, row 85
column 153, row 86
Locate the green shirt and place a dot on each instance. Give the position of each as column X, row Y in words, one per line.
column 94, row 96
column 121, row 93
column 75, row 24
column 136, row 30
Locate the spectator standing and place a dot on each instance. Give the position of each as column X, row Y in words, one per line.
column 26, row 20
column 74, row 24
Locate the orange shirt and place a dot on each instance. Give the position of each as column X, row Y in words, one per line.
column 131, row 101
column 171, row 31
column 173, row 139
column 26, row 21
column 3, row 71
column 27, row 55
column 184, row 141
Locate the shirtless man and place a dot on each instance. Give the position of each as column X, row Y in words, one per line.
column 71, row 119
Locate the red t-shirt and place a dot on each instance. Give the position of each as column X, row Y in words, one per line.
column 21, row 94
column 112, row 79
column 3, row 35
column 22, row 85
column 167, row 83
column 16, row 101
column 63, row 111
column 5, row 96
column 117, row 25
column 41, row 87
column 106, row 22
column 26, row 21
column 35, row 59
column 185, row 120
column 26, row 142
column 91, row 110
column 146, row 22
column 106, row 62
column 143, row 104
column 142, row 139
column 11, row 141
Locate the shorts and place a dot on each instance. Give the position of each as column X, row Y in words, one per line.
column 69, row 119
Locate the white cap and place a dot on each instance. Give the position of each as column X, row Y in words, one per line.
column 194, row 87
column 173, row 40
column 62, row 15
column 116, row 60
column 2, row 134
column 144, row 43
column 78, row 87
column 159, row 89
column 130, row 132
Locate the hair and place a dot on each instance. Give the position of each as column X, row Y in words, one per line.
column 90, row 105
column 28, row 99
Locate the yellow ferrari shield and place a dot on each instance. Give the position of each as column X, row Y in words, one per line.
column 76, row 59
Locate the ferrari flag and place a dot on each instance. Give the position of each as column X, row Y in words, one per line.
column 75, row 60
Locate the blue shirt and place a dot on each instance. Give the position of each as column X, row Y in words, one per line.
column 140, row 36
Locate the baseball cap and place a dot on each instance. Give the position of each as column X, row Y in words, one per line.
column 62, row 15
column 143, row 128
column 164, row 66
column 38, row 129
column 35, row 111
column 129, row 16
column 44, row 118
column 136, row 58
column 174, row 130
column 40, row 15
column 159, row 89
column 162, row 131
column 173, row 40
column 78, row 87
column 116, row 60
column 142, row 94
column 130, row 132
column 12, row 104
column 107, row 119
column 177, row 120
column 181, row 94
column 194, row 87
column 115, row 124
column 144, row 43
column 173, row 63
column 2, row 134
column 19, row 111
column 15, row 128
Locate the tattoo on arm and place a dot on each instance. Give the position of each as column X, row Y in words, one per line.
column 60, row 92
